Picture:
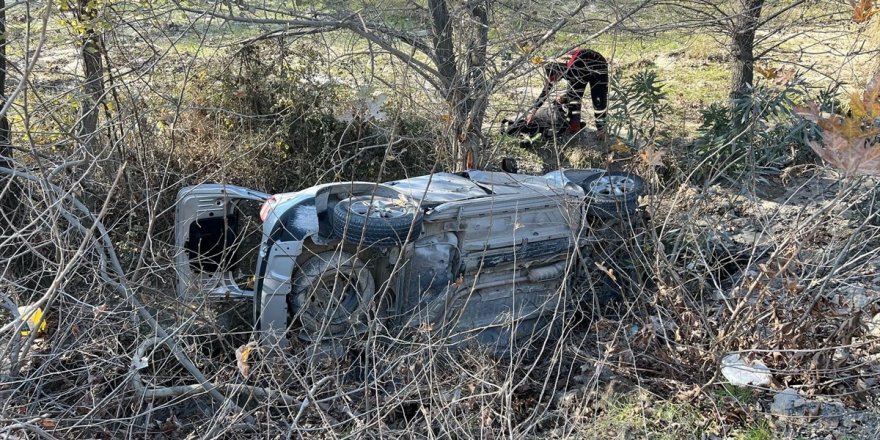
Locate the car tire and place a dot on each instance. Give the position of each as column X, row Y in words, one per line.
column 612, row 194
column 331, row 295
column 375, row 220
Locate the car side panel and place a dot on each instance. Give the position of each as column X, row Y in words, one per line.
column 511, row 250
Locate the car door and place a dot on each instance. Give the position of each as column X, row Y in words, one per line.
column 216, row 228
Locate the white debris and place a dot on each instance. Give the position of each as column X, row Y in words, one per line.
column 785, row 402
column 367, row 105
column 873, row 325
column 741, row 372
column 140, row 363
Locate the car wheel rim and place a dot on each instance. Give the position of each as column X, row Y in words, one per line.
column 612, row 186
column 379, row 208
column 336, row 296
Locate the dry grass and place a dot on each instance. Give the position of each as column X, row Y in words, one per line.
column 789, row 279
column 781, row 269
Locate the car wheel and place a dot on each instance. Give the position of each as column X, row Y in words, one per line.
column 332, row 293
column 376, row 220
column 612, row 194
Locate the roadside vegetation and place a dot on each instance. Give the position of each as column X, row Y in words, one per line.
column 759, row 238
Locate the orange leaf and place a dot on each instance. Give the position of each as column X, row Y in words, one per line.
column 857, row 106
column 852, row 156
column 652, row 156
column 241, row 356
column 766, row 72
column 863, row 10
column 784, row 76
column 849, row 143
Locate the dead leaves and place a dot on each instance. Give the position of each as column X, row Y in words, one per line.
column 242, row 354
column 867, row 105
column 778, row 75
column 852, row 157
column 863, row 10
column 620, row 148
column 850, row 143
column 608, row 271
column 653, row 157
column 100, row 311
column 766, row 72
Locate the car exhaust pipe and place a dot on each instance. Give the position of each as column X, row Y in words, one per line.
column 536, row 275
column 547, row 273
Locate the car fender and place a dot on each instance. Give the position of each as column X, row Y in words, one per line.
column 290, row 222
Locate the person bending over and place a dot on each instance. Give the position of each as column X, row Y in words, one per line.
column 579, row 67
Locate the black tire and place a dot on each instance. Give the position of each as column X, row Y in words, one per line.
column 331, row 295
column 612, row 194
column 375, row 220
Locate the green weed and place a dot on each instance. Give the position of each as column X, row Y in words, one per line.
column 743, row 395
column 757, row 431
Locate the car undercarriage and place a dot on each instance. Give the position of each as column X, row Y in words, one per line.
column 477, row 258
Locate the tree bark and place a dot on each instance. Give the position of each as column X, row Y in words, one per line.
column 464, row 90
column 478, row 98
column 450, row 80
column 743, row 46
column 5, row 142
column 9, row 188
column 93, row 70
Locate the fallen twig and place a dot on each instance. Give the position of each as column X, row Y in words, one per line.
column 121, row 286
column 309, row 398
column 189, row 390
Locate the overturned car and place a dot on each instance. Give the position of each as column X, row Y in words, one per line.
column 476, row 257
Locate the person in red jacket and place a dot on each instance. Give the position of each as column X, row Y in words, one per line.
column 580, row 68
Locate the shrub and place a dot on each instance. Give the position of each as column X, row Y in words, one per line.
column 637, row 107
column 756, row 133
column 276, row 106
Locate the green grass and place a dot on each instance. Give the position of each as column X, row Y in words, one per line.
column 643, row 417
column 705, row 84
column 757, row 431
column 626, row 49
column 743, row 395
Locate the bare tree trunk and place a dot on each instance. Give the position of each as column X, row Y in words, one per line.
column 466, row 93
column 8, row 187
column 5, row 143
column 93, row 69
column 478, row 98
column 743, row 46
column 444, row 59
